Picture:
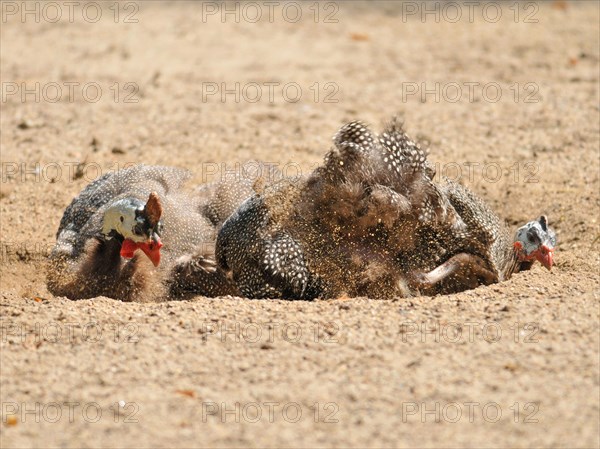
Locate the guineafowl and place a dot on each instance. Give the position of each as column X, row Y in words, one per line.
column 143, row 208
column 372, row 221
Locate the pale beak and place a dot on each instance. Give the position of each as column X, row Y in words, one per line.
column 545, row 255
column 152, row 250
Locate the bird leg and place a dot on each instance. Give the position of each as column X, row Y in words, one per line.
column 461, row 272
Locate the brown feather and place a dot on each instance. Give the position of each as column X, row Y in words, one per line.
column 153, row 209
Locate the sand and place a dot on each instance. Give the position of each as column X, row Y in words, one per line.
column 510, row 105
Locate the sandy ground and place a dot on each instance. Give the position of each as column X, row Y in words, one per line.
column 510, row 365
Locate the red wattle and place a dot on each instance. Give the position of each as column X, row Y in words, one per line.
column 152, row 249
column 128, row 248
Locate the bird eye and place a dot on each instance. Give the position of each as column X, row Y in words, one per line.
column 533, row 236
column 137, row 230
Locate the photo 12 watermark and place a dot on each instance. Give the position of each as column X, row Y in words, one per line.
column 69, row 412
column 468, row 332
column 250, row 171
column 269, row 92
column 268, row 332
column 270, row 11
column 51, row 172
column 523, row 172
column 69, row 92
column 269, row 412
column 470, row 92
column 469, row 411
column 70, row 11
column 67, row 332
column 469, row 11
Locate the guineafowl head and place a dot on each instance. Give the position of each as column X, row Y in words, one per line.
column 138, row 225
column 536, row 241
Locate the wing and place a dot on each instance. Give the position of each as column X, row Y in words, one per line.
column 354, row 144
column 266, row 262
column 394, row 161
column 483, row 224
column 283, row 265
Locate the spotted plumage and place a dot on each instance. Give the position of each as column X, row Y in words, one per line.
column 372, row 221
column 100, row 231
